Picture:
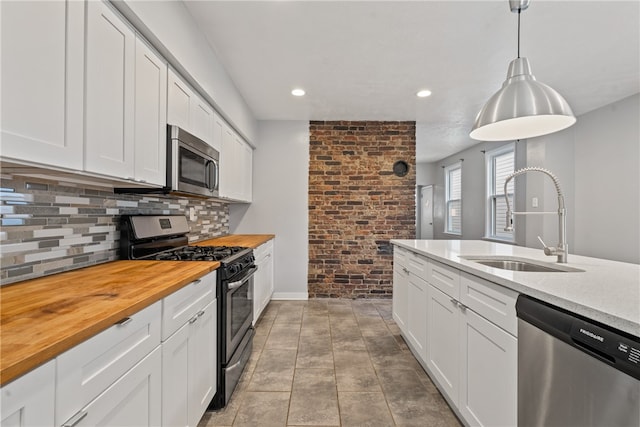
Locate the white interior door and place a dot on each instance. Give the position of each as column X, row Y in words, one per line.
column 426, row 212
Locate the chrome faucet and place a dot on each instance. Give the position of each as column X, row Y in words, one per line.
column 562, row 250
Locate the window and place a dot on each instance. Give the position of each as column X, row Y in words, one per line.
column 500, row 163
column 453, row 196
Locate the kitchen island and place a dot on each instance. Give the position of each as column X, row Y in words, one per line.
column 606, row 291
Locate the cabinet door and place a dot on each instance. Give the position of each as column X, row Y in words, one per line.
column 178, row 102
column 218, row 132
column 228, row 169
column 134, row 400
column 400, row 303
column 202, row 362
column 109, row 110
column 42, row 81
column 246, row 156
column 29, row 400
column 269, row 264
column 150, row 116
column 201, row 119
column 443, row 341
column 488, row 386
column 417, row 315
column 175, row 378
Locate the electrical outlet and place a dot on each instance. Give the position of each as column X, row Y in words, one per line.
column 192, row 214
column 534, row 202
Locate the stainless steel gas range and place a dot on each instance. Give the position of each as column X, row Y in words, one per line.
column 145, row 237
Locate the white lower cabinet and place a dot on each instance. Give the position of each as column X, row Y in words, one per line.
column 443, row 352
column 470, row 331
column 417, row 315
column 133, row 400
column 88, row 369
column 29, row 400
column 400, row 302
column 189, row 376
column 263, row 283
column 472, row 359
column 488, row 375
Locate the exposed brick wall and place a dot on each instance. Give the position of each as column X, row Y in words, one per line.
column 357, row 204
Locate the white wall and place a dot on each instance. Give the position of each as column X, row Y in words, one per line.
column 280, row 202
column 169, row 26
column 607, row 182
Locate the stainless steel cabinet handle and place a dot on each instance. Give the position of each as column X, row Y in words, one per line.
column 196, row 282
column 200, row 313
column 71, row 422
column 454, row 301
column 124, row 321
column 194, row 318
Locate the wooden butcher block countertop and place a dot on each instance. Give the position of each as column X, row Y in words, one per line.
column 41, row 318
column 245, row 240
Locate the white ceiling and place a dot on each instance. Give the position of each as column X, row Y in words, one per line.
column 362, row 60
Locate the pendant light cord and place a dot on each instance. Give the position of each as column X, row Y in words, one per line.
column 519, row 10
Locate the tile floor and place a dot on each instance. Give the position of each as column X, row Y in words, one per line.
column 328, row 362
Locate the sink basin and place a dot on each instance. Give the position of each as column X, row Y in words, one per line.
column 520, row 264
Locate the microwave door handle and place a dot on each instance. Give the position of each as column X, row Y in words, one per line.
column 216, row 176
column 210, row 175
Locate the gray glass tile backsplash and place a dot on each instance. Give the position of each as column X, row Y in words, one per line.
column 48, row 226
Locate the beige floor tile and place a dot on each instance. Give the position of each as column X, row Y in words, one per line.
column 274, row 371
column 364, row 410
column 314, row 399
column 263, row 409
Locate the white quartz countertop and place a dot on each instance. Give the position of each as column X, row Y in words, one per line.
column 607, row 291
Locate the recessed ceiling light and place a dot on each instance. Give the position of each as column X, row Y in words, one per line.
column 423, row 93
column 298, row 92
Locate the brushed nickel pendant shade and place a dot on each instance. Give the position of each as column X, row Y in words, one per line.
column 523, row 107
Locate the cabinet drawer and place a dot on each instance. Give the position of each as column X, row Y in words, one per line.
column 400, row 256
column 417, row 265
column 492, row 301
column 181, row 305
column 87, row 369
column 263, row 250
column 445, row 278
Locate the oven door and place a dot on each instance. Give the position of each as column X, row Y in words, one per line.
column 239, row 299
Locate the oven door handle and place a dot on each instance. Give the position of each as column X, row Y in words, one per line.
column 237, row 284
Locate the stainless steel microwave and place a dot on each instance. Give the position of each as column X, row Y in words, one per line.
column 192, row 164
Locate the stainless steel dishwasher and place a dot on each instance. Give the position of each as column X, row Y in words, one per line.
column 573, row 371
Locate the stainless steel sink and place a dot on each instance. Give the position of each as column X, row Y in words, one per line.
column 520, row 264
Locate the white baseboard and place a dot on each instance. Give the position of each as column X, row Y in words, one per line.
column 297, row 296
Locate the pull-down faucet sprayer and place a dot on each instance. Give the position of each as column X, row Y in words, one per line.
column 561, row 251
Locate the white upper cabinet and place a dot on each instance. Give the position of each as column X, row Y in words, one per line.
column 236, row 164
column 150, row 116
column 126, row 92
column 42, row 81
column 110, row 73
column 202, row 122
column 188, row 110
column 179, row 101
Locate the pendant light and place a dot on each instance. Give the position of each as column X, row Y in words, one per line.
column 523, row 107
